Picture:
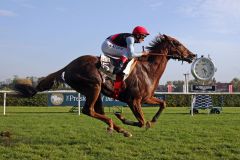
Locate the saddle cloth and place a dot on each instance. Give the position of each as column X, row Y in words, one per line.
column 107, row 66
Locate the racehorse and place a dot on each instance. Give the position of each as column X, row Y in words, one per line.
column 83, row 75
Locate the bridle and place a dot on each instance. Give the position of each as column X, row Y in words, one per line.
column 178, row 56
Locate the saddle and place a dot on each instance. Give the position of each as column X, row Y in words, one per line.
column 108, row 64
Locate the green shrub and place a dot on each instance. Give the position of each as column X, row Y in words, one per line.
column 38, row 100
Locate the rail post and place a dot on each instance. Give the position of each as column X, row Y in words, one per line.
column 192, row 104
column 4, row 102
column 79, row 104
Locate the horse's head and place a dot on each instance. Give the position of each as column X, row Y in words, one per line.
column 177, row 50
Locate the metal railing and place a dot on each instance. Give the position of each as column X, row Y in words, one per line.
column 79, row 102
column 45, row 92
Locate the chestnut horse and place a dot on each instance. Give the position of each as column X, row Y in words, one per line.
column 83, row 75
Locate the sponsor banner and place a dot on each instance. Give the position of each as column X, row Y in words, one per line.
column 203, row 88
column 64, row 99
column 71, row 99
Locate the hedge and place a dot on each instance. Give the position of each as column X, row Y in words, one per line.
column 38, row 100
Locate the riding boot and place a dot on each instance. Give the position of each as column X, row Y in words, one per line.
column 120, row 66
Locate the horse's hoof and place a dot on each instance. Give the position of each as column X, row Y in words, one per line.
column 110, row 130
column 148, row 125
column 127, row 134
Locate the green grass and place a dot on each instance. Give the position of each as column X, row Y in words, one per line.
column 53, row 133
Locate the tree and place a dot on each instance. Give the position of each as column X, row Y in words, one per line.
column 178, row 85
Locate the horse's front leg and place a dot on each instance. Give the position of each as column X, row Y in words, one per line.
column 136, row 108
column 162, row 104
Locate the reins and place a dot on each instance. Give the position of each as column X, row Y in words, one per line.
column 179, row 58
column 171, row 56
column 157, row 54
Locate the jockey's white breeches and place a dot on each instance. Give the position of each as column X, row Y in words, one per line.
column 108, row 48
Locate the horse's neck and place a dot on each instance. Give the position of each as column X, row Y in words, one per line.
column 155, row 69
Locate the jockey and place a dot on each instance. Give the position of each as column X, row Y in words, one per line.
column 122, row 45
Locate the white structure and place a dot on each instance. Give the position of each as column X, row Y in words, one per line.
column 185, row 86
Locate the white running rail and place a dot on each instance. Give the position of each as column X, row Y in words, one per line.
column 72, row 91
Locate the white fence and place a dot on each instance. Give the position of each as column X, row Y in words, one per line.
column 72, row 91
column 45, row 92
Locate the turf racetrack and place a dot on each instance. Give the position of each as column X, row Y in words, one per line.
column 53, row 133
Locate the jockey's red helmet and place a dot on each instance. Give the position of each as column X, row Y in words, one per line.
column 140, row 30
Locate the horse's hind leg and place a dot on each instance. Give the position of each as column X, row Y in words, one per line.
column 99, row 109
column 91, row 98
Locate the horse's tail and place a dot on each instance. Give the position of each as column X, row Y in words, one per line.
column 27, row 90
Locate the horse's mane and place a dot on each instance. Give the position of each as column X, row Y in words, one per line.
column 155, row 46
column 156, row 43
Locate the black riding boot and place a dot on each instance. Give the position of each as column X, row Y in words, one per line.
column 120, row 65
column 118, row 68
